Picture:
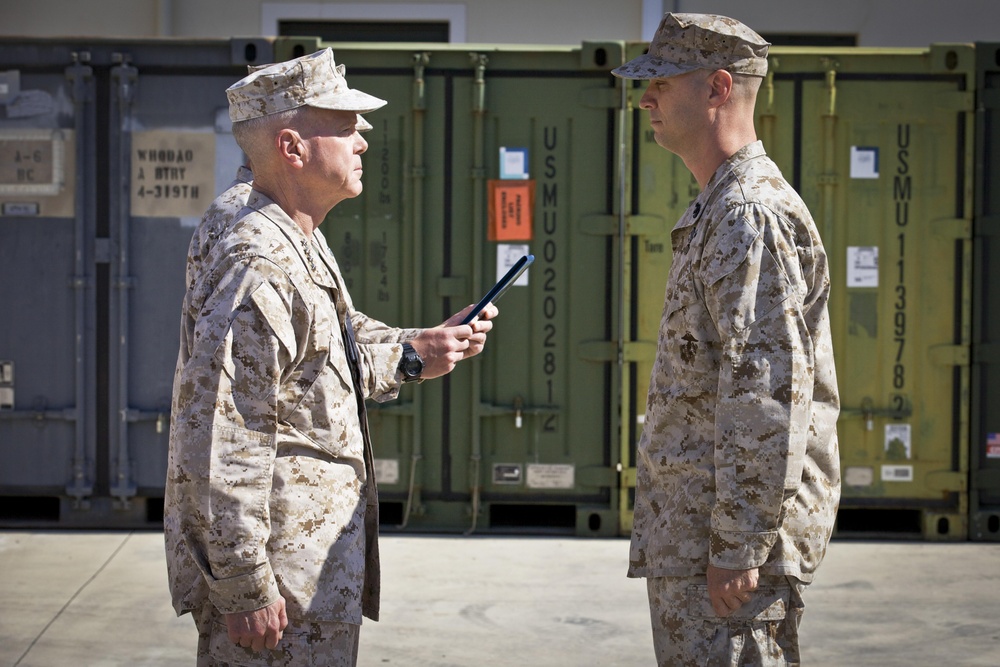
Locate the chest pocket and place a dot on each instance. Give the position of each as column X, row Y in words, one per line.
column 688, row 339
column 320, row 402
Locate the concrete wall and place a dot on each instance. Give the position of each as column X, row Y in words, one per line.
column 875, row 22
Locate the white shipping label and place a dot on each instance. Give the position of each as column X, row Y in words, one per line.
column 898, row 441
column 507, row 256
column 550, row 476
column 864, row 162
column 897, row 473
column 386, row 471
column 859, row 476
column 862, row 266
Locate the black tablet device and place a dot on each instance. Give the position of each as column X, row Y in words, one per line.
column 497, row 290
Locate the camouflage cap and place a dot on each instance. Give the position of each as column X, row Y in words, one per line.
column 314, row 80
column 686, row 42
column 362, row 125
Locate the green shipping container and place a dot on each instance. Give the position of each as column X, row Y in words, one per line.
column 879, row 142
column 482, row 155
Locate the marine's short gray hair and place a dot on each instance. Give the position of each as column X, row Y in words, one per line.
column 255, row 134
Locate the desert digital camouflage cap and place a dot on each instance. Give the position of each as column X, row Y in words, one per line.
column 314, row 80
column 361, row 126
column 686, row 42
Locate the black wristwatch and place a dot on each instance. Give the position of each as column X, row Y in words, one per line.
column 411, row 365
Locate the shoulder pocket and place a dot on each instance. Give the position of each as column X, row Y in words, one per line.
column 727, row 249
column 276, row 313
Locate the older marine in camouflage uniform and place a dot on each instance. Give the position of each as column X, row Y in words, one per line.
column 271, row 508
column 738, row 476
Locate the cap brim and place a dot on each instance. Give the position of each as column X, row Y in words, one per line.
column 347, row 100
column 650, row 67
column 362, row 125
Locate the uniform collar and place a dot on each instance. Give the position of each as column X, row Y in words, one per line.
column 722, row 175
column 309, row 253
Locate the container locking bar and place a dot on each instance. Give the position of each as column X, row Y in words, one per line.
column 517, row 410
column 478, row 61
column 599, row 224
column 868, row 412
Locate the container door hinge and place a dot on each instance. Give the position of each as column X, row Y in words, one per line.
column 955, row 101
column 952, row 228
column 946, row 480
column 598, row 350
column 949, row 355
column 868, row 412
column 605, row 224
column 640, row 350
column 599, row 476
column 607, row 351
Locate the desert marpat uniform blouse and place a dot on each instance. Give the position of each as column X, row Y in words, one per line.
column 738, row 461
column 267, row 489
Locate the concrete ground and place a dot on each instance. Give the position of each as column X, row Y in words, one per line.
column 100, row 599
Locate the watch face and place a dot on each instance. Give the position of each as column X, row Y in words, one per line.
column 412, row 367
column 411, row 364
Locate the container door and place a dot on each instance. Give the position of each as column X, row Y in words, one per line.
column 984, row 492
column 171, row 151
column 47, row 366
column 533, row 428
column 886, row 168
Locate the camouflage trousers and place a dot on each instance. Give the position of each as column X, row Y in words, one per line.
column 762, row 633
column 303, row 644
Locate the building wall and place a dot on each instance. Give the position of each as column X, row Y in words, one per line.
column 875, row 22
column 486, row 21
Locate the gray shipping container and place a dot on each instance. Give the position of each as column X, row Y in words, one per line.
column 109, row 154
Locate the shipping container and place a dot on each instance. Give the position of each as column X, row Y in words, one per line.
column 482, row 155
column 110, row 151
column 879, row 143
column 984, row 488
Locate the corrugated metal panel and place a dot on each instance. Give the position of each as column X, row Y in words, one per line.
column 47, row 282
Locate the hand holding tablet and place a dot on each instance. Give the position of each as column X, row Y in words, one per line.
column 497, row 290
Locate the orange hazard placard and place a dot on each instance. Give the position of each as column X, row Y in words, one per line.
column 511, row 204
